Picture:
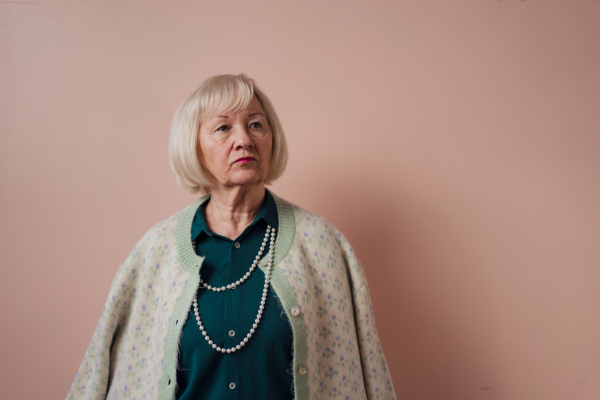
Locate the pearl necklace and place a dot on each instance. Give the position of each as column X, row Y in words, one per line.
column 237, row 283
column 262, row 300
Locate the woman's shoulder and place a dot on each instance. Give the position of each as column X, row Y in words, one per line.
column 164, row 233
column 320, row 244
column 164, row 228
column 306, row 219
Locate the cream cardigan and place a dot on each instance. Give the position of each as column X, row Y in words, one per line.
column 321, row 285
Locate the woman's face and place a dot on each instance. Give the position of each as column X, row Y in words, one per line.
column 235, row 147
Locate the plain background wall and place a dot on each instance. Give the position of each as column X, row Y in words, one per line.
column 455, row 143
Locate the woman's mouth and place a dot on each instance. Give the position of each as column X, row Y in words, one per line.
column 244, row 160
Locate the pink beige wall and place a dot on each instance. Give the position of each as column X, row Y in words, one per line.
column 456, row 144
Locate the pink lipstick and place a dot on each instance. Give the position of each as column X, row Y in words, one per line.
column 244, row 160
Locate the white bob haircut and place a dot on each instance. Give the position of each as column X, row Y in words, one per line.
column 216, row 95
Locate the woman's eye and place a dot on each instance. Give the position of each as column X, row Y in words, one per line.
column 223, row 128
column 256, row 125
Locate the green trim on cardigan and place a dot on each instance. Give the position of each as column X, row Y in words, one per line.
column 286, row 294
column 192, row 263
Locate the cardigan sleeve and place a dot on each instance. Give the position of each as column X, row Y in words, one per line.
column 377, row 378
column 94, row 374
column 378, row 382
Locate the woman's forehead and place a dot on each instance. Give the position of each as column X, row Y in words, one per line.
column 250, row 108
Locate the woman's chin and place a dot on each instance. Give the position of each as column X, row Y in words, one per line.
column 245, row 178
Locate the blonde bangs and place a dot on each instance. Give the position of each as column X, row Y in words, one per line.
column 226, row 95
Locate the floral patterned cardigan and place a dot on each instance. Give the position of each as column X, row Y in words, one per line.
column 319, row 281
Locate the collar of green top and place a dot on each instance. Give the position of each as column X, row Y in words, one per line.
column 268, row 212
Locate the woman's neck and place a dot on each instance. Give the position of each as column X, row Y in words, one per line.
column 230, row 210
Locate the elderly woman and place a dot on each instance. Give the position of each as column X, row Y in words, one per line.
column 242, row 294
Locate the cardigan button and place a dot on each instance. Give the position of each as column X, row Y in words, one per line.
column 295, row 311
column 302, row 370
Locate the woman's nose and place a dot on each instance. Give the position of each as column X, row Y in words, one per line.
column 242, row 137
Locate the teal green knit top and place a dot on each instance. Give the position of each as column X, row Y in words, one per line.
column 261, row 368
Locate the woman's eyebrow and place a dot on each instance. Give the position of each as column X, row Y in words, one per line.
column 222, row 116
column 256, row 113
